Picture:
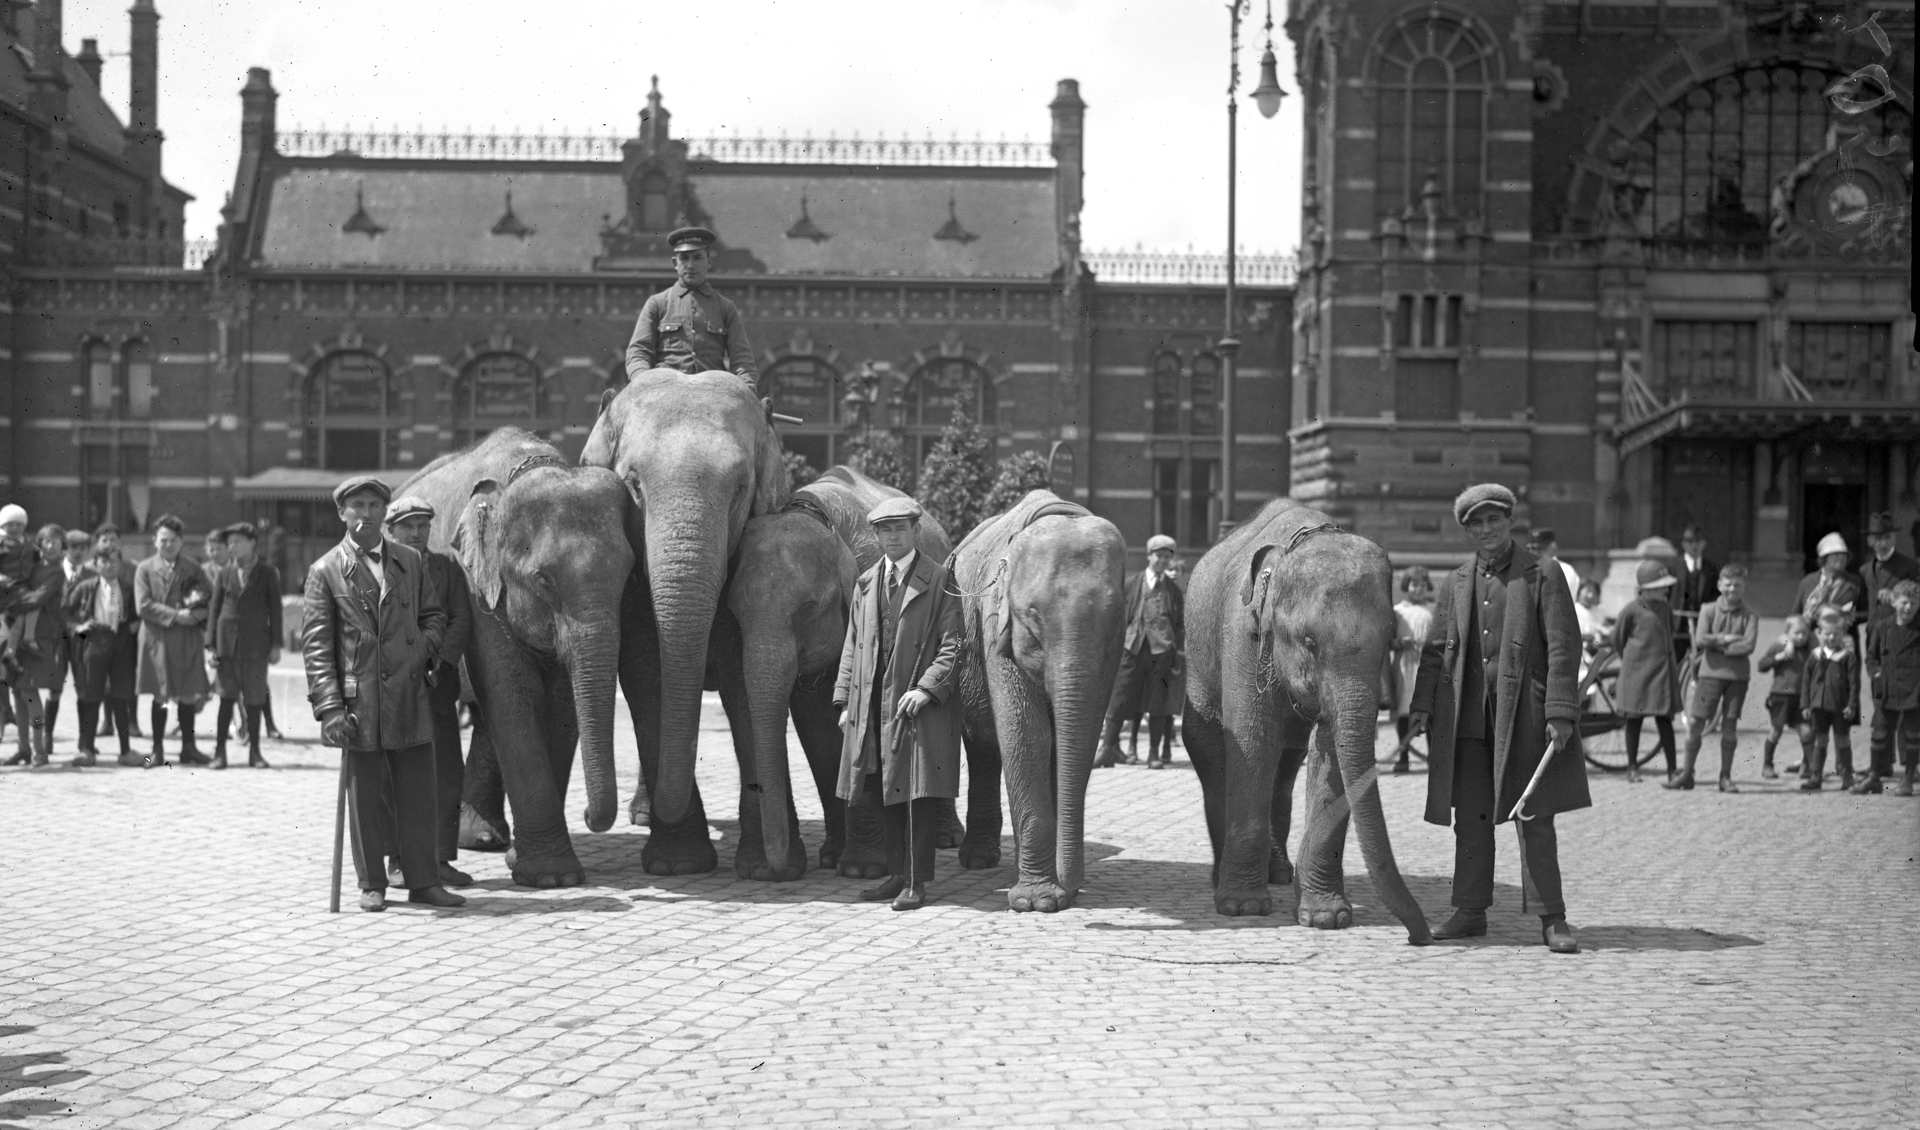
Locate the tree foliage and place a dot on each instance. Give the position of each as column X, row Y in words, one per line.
column 882, row 459
column 799, row 471
column 1018, row 473
column 957, row 476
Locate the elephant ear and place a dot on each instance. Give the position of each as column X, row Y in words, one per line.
column 473, row 543
column 1258, row 589
column 598, row 450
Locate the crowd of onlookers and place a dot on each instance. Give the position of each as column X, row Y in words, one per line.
column 173, row 627
column 1688, row 644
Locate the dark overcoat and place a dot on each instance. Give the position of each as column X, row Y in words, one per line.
column 246, row 628
column 45, row 666
column 926, row 655
column 1879, row 576
column 1893, row 664
column 450, row 587
column 371, row 658
column 107, row 660
column 173, row 616
column 1649, row 682
column 1538, row 681
column 1165, row 623
column 1832, row 684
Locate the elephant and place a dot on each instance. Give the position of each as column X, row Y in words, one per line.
column 1041, row 591
column 547, row 552
column 776, row 650
column 698, row 457
column 1288, row 624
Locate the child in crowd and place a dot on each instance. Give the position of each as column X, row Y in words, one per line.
column 19, row 558
column 1786, row 657
column 1411, row 619
column 1830, row 697
column 1724, row 637
column 1648, row 685
column 1595, row 626
column 1893, row 666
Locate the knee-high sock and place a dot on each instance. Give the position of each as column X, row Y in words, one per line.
column 121, row 709
column 253, row 731
column 53, row 713
column 157, row 720
column 222, row 722
column 1664, row 726
column 1633, row 741
column 186, row 726
column 89, row 718
column 267, row 712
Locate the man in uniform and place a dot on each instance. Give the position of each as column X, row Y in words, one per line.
column 1502, row 626
column 1156, row 631
column 371, row 642
column 410, row 522
column 688, row 326
column 898, row 693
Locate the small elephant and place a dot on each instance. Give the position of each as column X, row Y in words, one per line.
column 1041, row 592
column 1288, row 623
column 547, row 553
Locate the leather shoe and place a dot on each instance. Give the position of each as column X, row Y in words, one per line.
column 1558, row 936
column 1683, row 781
column 219, row 761
column 435, row 896
column 911, row 898
column 373, row 900
column 132, row 760
column 24, row 757
column 255, row 761
column 86, row 757
column 1727, row 785
column 193, row 757
column 1871, row 783
column 451, row 876
column 1463, row 924
column 888, row 888
column 1810, row 784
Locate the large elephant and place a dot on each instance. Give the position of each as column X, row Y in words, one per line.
column 1041, row 591
column 1288, row 623
column 696, row 453
column 776, row 649
column 547, row 553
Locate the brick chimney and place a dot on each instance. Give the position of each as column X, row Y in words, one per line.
column 143, row 112
column 1069, row 135
column 258, row 101
column 47, row 82
column 89, row 60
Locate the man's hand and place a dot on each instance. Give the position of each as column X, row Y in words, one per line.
column 1851, row 716
column 273, row 655
column 338, row 728
column 912, row 703
column 1417, row 723
column 1559, row 731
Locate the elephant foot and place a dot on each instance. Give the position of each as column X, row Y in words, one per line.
column 750, row 861
column 478, row 833
column 978, row 854
column 545, row 871
column 1245, row 902
column 952, row 833
column 830, row 854
column 1279, row 869
column 1325, row 910
column 1043, row 895
column 679, row 849
column 862, row 861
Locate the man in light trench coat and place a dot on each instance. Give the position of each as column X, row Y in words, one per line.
column 899, row 678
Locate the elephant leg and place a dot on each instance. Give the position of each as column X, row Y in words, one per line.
column 483, row 800
column 1206, row 744
column 980, row 849
column 1026, row 742
column 681, row 848
column 818, row 726
column 1323, row 895
column 1294, row 736
column 509, row 685
column 750, row 854
column 1252, row 744
column 952, row 831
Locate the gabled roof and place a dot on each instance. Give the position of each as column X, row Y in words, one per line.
column 877, row 220
column 88, row 115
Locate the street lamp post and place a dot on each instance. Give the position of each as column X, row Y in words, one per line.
column 1266, row 98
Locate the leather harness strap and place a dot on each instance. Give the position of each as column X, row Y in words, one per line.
column 537, row 459
column 1305, row 532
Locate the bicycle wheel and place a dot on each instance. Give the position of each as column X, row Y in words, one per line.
column 1602, row 738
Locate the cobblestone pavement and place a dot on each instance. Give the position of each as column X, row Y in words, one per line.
column 1746, row 959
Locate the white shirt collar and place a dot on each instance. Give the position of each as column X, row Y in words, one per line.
column 899, row 571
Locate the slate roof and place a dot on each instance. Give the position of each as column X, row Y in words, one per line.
column 89, row 116
column 880, row 221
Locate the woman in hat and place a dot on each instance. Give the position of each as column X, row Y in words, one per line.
column 1649, row 684
column 1833, row 583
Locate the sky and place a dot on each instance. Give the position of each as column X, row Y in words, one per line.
column 1152, row 72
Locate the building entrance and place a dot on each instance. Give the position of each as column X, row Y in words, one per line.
column 1827, row 508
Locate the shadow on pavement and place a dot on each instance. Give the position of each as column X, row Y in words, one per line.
column 506, row 907
column 17, row 1073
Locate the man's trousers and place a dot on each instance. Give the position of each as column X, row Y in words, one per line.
column 390, row 815
column 908, row 825
column 1473, row 828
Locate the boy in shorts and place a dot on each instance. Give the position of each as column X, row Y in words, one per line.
column 1786, row 657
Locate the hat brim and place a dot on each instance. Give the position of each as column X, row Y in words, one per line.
column 1482, row 505
column 1663, row 582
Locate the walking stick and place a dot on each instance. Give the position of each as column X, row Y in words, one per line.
column 1539, row 772
column 339, row 833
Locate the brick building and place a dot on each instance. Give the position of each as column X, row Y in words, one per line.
column 1628, row 257
column 378, row 299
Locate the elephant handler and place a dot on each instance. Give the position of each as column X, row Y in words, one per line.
column 409, row 522
column 1156, row 634
column 1498, row 679
column 372, row 635
column 897, row 693
column 688, row 326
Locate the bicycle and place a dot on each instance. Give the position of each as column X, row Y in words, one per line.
column 1602, row 737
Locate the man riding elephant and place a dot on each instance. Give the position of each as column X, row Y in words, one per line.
column 1498, row 681
column 689, row 326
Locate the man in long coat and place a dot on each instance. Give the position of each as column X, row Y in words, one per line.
column 1499, row 677
column 1156, row 633
column 245, row 621
column 170, row 596
column 1699, row 584
column 370, row 641
column 106, row 636
column 899, row 671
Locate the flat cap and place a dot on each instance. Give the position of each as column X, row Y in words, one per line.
column 692, row 239
column 1881, row 523
column 78, row 539
column 894, row 508
column 408, row 506
column 1482, row 494
column 1158, row 542
column 1653, row 575
column 240, row 530
column 358, row 483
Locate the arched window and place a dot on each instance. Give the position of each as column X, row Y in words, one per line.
column 98, row 358
column 139, row 358
column 350, row 405
column 1166, row 394
column 1716, row 153
column 939, row 387
column 809, row 389
column 497, row 389
column 1434, row 80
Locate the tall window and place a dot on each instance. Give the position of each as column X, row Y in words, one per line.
column 140, row 389
column 1426, row 340
column 497, row 389
column 936, row 390
column 1206, row 395
column 1840, row 360
column 1166, row 394
column 1704, row 359
column 1435, row 74
column 100, row 379
column 808, row 389
column 350, row 405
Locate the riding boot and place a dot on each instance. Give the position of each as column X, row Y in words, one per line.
column 157, row 722
column 1109, row 744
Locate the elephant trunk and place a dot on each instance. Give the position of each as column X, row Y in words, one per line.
column 1355, row 703
column 770, row 673
column 592, row 652
column 1079, row 705
column 686, row 568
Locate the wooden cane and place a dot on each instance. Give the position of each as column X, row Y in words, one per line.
column 1539, row 772
column 339, row 833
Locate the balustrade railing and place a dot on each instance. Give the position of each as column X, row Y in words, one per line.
column 471, row 146
column 1155, row 268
